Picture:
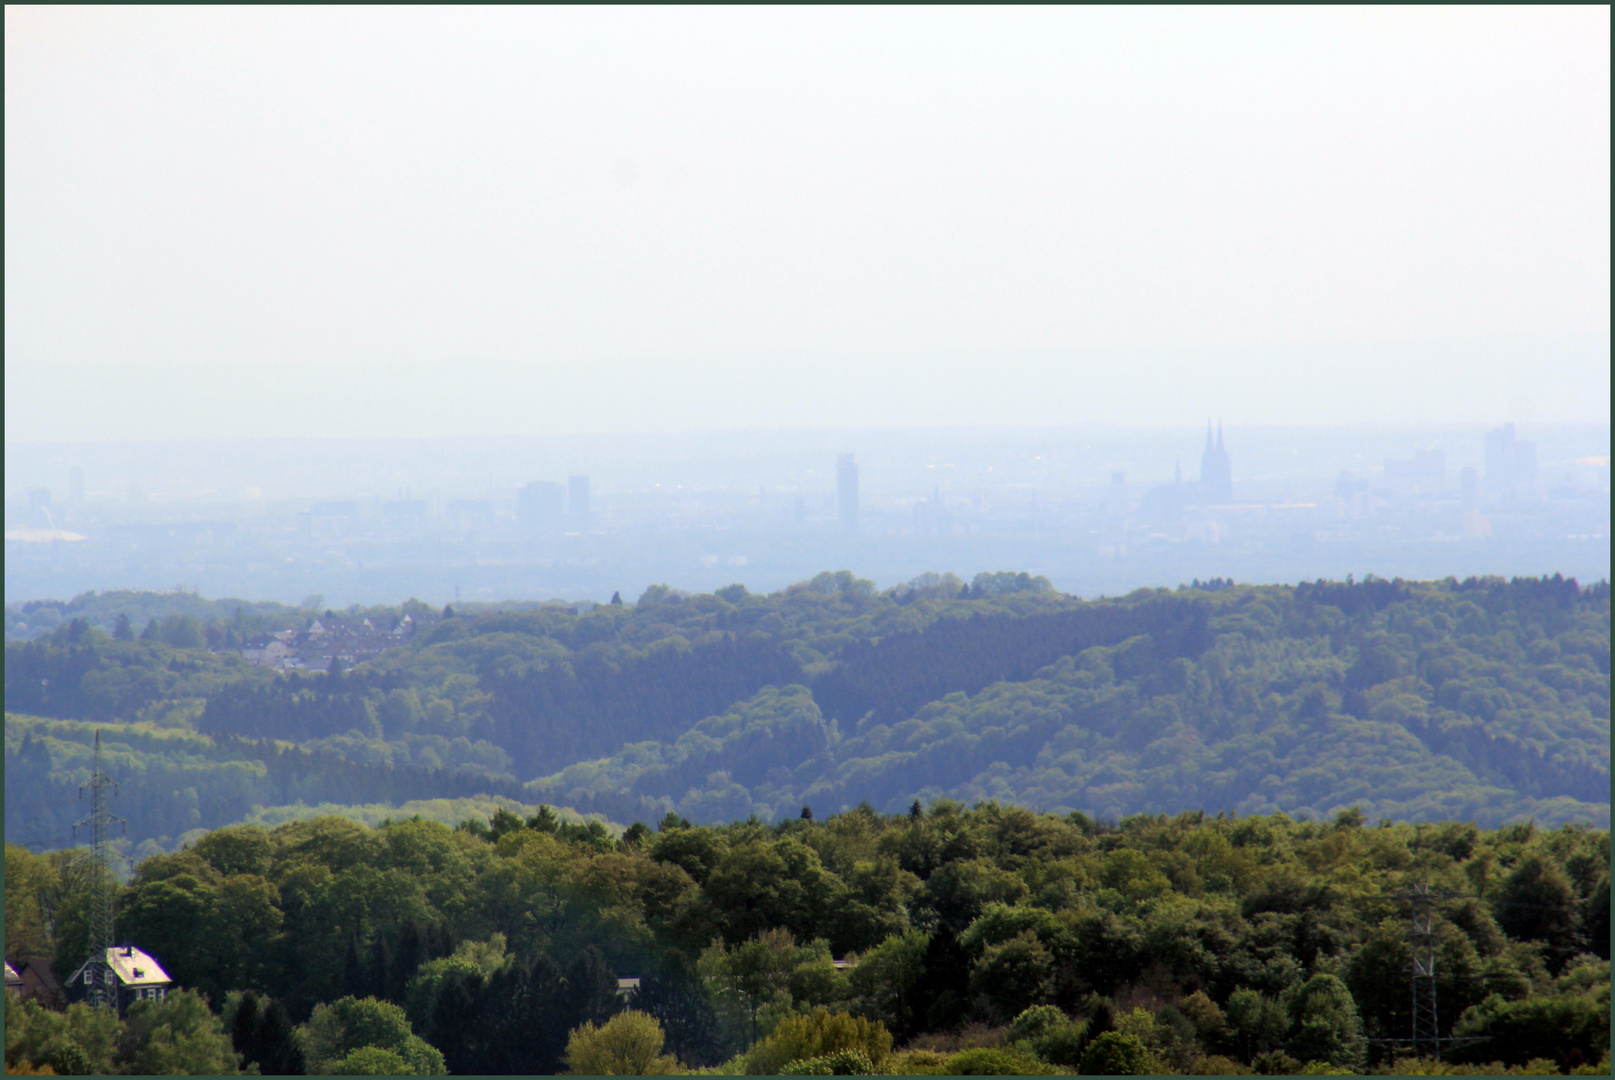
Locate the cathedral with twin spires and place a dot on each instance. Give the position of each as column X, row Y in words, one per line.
column 1216, row 471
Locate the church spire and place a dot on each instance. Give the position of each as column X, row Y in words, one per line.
column 1216, row 473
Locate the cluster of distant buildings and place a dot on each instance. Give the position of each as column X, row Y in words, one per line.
column 545, row 506
column 129, row 975
column 1202, row 510
column 1510, row 470
column 326, row 641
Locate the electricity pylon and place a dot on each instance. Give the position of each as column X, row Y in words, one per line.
column 1426, row 1034
column 1422, row 943
column 97, row 975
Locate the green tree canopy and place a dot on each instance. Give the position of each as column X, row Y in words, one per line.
column 177, row 1036
column 336, row 1030
column 629, row 1044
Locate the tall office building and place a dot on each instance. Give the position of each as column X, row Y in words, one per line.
column 847, row 491
column 540, row 507
column 1510, row 462
column 577, row 502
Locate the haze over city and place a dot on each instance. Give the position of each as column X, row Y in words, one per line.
column 302, row 301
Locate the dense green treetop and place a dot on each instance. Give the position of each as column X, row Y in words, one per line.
column 488, row 947
column 1485, row 700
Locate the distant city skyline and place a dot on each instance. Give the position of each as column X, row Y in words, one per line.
column 1094, row 509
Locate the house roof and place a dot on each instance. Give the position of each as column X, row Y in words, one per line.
column 132, row 966
column 41, row 973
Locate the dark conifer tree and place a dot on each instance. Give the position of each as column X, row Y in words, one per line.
column 262, row 1034
column 353, row 973
column 944, row 993
column 673, row 994
column 591, row 989
column 440, row 941
column 380, row 969
column 280, row 1054
column 244, row 1029
column 529, row 1031
column 411, row 954
column 122, row 630
column 458, row 1022
column 1595, row 925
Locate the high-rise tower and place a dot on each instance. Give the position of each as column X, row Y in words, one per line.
column 1510, row 462
column 847, row 491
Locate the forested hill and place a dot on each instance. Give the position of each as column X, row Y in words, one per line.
column 1484, row 700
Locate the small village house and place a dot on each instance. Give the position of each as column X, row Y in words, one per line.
column 33, row 979
column 135, row 976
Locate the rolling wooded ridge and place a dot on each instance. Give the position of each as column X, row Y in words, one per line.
column 1484, row 700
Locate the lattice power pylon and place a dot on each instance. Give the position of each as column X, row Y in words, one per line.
column 102, row 916
column 1422, row 943
column 1426, row 1038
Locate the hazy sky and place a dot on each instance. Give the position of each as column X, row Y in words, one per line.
column 747, row 217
